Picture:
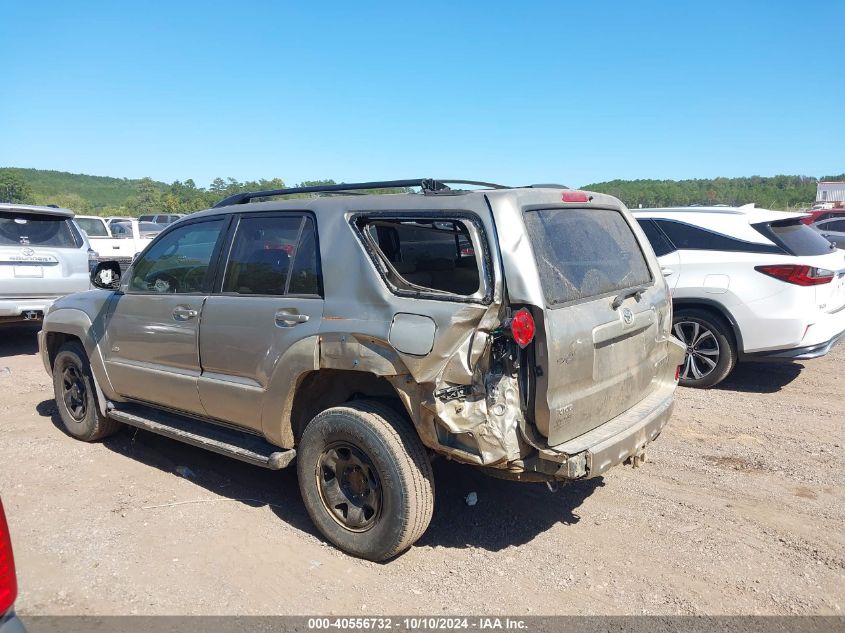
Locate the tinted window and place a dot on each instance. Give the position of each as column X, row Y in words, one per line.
column 274, row 256
column 833, row 225
column 795, row 238
column 688, row 237
column 425, row 254
column 92, row 227
column 655, row 236
column 584, row 253
column 35, row 229
column 179, row 262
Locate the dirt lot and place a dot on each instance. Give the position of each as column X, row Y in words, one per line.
column 740, row 509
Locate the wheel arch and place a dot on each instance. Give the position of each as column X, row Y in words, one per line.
column 714, row 307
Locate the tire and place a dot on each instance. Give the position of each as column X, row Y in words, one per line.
column 709, row 340
column 365, row 479
column 76, row 397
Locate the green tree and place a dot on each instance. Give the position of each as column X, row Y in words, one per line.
column 147, row 199
column 13, row 188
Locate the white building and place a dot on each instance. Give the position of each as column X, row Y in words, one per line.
column 830, row 192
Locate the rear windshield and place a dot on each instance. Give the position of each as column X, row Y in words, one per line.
column 92, row 227
column 35, row 229
column 584, row 253
column 795, row 238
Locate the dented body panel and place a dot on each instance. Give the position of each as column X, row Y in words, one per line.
column 594, row 371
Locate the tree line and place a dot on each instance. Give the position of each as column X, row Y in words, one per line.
column 87, row 194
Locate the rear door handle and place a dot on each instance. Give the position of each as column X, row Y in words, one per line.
column 183, row 313
column 667, row 271
column 286, row 318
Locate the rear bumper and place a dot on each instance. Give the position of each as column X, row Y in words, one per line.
column 23, row 309
column 610, row 444
column 10, row 623
column 806, row 352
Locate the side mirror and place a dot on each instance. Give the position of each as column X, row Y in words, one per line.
column 106, row 276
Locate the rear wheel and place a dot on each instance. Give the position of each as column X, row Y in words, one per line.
column 710, row 348
column 365, row 479
column 76, row 398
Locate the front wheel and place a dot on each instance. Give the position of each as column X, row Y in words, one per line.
column 365, row 479
column 710, row 349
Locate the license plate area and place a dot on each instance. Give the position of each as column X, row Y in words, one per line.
column 29, row 271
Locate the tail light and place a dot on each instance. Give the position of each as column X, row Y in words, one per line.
column 798, row 274
column 522, row 327
column 8, row 581
column 93, row 258
column 678, row 372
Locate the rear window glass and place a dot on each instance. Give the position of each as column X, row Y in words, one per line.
column 35, row 229
column 92, row 227
column 423, row 254
column 796, row 238
column 584, row 253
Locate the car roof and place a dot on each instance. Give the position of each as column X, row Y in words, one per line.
column 748, row 213
column 89, row 217
column 32, row 208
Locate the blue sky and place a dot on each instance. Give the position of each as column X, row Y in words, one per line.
column 509, row 92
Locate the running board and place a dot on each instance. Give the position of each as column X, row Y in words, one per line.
column 213, row 437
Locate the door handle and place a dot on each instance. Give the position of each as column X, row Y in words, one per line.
column 285, row 318
column 667, row 271
column 182, row 313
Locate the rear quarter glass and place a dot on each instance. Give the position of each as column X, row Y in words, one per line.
column 583, row 253
column 795, row 237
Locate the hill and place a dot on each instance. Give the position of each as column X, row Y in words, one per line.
column 97, row 191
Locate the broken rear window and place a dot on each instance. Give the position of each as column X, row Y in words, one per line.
column 425, row 255
column 584, row 253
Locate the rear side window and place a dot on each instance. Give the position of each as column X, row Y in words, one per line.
column 795, row 238
column 423, row 254
column 689, row 237
column 584, row 253
column 275, row 256
column 36, row 229
column 833, row 225
column 655, row 236
column 92, row 227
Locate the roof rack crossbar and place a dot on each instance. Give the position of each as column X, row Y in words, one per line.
column 428, row 185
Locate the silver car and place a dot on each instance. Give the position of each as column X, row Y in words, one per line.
column 43, row 256
column 524, row 331
column 833, row 229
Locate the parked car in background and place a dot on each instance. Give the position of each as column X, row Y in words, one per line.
column 832, row 229
column 9, row 623
column 525, row 331
column 817, row 215
column 748, row 284
column 108, row 247
column 128, row 238
column 114, row 218
column 43, row 256
column 162, row 218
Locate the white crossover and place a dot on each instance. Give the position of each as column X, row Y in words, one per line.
column 748, row 284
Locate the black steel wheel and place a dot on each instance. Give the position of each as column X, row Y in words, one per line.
column 349, row 486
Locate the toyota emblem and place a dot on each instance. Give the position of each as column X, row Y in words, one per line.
column 627, row 316
column 28, row 252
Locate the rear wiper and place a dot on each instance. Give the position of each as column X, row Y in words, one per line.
column 630, row 292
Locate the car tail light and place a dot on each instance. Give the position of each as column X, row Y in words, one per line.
column 522, row 327
column 677, row 373
column 798, row 274
column 8, row 581
column 574, row 196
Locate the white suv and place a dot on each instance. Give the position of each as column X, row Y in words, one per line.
column 748, row 284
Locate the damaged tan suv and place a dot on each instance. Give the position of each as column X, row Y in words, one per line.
column 523, row 330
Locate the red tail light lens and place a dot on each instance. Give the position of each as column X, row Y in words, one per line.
column 677, row 373
column 8, row 581
column 574, row 196
column 798, row 275
column 522, row 327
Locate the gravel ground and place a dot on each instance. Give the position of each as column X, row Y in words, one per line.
column 739, row 510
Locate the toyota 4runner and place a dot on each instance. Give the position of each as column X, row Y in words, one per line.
column 525, row 331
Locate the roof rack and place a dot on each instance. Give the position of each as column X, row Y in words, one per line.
column 427, row 185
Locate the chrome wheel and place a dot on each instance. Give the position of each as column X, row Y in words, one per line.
column 73, row 392
column 702, row 353
column 349, row 486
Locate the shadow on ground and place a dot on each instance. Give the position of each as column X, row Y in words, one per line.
column 19, row 339
column 761, row 377
column 507, row 513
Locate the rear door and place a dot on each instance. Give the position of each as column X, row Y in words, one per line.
column 152, row 350
column 601, row 347
column 41, row 255
column 270, row 299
